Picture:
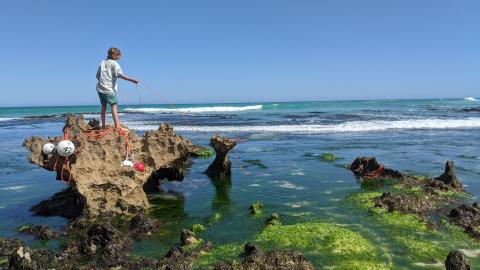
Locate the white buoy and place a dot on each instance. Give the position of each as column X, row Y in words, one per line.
column 47, row 148
column 65, row 148
column 126, row 162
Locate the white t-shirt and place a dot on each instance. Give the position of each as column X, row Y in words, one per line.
column 108, row 72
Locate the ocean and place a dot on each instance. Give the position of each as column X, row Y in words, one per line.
column 415, row 136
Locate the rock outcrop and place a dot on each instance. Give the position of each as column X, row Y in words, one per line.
column 254, row 258
column 98, row 182
column 449, row 177
column 221, row 166
column 467, row 217
column 456, row 261
column 369, row 167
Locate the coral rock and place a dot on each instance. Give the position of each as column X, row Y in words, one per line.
column 222, row 165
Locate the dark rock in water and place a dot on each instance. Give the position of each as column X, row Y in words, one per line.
column 21, row 259
column 404, row 203
column 449, row 177
column 471, row 110
column 67, row 203
column 256, row 208
column 174, row 251
column 222, row 165
column 188, row 237
column 370, row 168
column 456, row 261
column 275, row 259
column 252, row 249
column 141, row 225
column 468, row 217
column 40, row 231
column 273, row 220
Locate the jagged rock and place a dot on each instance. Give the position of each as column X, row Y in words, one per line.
column 471, row 110
column 369, row 167
column 468, row 217
column 188, row 237
column 255, row 259
column 141, row 225
column 7, row 246
column 40, row 231
column 21, row 259
column 222, row 165
column 456, row 261
column 99, row 184
column 449, row 177
column 404, row 203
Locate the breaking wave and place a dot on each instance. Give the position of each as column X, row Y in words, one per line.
column 194, row 109
column 7, row 119
column 471, row 99
column 353, row 126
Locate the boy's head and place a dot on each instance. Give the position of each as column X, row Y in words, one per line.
column 114, row 53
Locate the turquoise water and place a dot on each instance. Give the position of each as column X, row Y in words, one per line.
column 416, row 136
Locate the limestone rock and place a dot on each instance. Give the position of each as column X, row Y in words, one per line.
column 99, row 184
column 141, row 225
column 456, row 261
column 222, row 165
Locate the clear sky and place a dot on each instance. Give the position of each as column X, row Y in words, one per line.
column 238, row 51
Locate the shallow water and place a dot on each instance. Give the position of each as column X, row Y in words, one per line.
column 416, row 136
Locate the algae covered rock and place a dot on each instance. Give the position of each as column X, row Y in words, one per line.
column 98, row 182
column 188, row 238
column 141, row 225
column 39, row 231
column 273, row 220
column 221, row 166
column 449, row 177
column 198, row 228
column 456, row 261
column 256, row 208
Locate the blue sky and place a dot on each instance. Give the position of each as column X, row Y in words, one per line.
column 239, row 51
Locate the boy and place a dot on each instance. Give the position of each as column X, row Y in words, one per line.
column 108, row 72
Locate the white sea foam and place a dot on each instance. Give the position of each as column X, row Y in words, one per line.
column 353, row 126
column 5, row 119
column 471, row 99
column 471, row 252
column 195, row 109
column 286, row 184
column 15, row 188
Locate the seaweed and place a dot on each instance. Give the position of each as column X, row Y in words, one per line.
column 198, row 228
column 255, row 162
column 215, row 217
column 202, row 154
column 230, row 252
column 327, row 245
column 326, row 157
column 256, row 208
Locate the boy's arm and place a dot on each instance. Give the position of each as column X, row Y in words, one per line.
column 121, row 76
column 98, row 73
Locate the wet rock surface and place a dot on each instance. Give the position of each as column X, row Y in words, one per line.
column 222, row 165
column 456, row 261
column 448, row 177
column 255, row 259
column 188, row 238
column 468, row 217
column 369, row 167
column 98, row 182
column 141, row 225
column 40, row 232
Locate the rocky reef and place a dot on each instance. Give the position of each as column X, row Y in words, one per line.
column 97, row 181
column 221, row 166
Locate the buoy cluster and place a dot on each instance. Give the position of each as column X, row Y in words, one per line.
column 64, row 148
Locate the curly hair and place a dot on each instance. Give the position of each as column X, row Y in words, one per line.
column 114, row 53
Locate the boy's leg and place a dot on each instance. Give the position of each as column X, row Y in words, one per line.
column 104, row 111
column 115, row 116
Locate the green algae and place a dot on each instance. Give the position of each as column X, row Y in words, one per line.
column 410, row 233
column 273, row 220
column 326, row 157
column 202, row 154
column 255, row 162
column 256, row 208
column 198, row 228
column 215, row 217
column 327, row 245
column 3, row 262
column 228, row 252
column 23, row 228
